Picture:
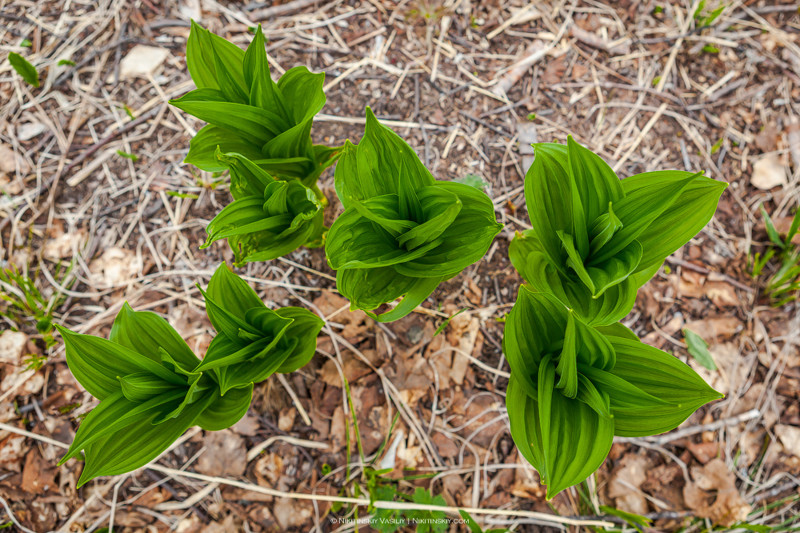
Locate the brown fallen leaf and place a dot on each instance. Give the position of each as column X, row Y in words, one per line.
column 38, row 476
column 12, row 346
column 225, row 454
column 789, row 437
column 714, row 495
column 626, row 481
column 768, row 172
column 716, row 328
column 703, row 451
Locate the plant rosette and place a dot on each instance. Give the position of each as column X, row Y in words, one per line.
column 152, row 387
column 573, row 387
column 253, row 342
column 260, row 227
column 402, row 232
column 248, row 113
column 149, row 390
column 596, row 239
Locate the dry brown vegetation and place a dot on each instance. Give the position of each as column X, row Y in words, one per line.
column 469, row 84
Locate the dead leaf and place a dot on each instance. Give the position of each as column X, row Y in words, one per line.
column 715, row 328
column 12, row 347
column 286, row 418
column 10, row 161
column 116, row 267
column 789, row 437
column 626, row 481
column 721, row 294
column 225, row 454
column 768, row 172
column 142, row 61
column 29, row 130
column 247, row 425
column 291, row 513
column 37, row 477
column 446, row 447
column 714, row 495
column 703, row 451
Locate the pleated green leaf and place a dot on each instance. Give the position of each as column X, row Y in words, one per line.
column 662, row 376
column 96, row 362
column 146, row 332
column 139, row 442
column 225, row 410
column 402, row 232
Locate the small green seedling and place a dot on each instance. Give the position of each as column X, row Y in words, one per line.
column 784, row 284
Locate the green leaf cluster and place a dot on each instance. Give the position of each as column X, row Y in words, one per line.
column 596, row 239
column 402, row 232
column 260, row 130
column 152, row 387
column 578, row 376
column 574, row 386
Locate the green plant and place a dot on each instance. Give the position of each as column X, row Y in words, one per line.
column 152, row 387
column 596, row 239
column 26, row 302
column 783, row 285
column 578, row 377
column 248, row 113
column 573, row 387
column 402, row 232
column 268, row 218
column 24, row 68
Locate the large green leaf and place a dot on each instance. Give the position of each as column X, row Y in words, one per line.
column 534, row 328
column 659, row 375
column 210, row 105
column 682, row 219
column 596, row 185
column 302, row 93
column 204, row 146
column 145, row 332
column 637, row 210
column 465, row 241
column 231, row 292
column 115, row 413
column 139, row 442
column 225, row 410
column 575, row 438
column 534, row 266
column 205, row 52
column 305, row 327
column 523, row 418
column 96, row 362
column 548, row 195
column 377, row 165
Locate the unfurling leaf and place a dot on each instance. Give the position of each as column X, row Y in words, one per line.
column 252, row 341
column 285, row 216
column 573, row 387
column 402, row 232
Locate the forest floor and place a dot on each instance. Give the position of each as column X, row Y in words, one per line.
column 98, row 208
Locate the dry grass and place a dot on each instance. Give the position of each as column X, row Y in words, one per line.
column 458, row 79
